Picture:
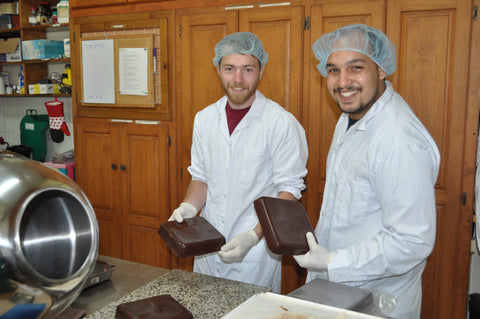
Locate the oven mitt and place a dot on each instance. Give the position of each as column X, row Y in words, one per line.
column 57, row 123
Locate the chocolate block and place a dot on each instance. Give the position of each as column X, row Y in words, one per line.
column 158, row 307
column 284, row 224
column 193, row 237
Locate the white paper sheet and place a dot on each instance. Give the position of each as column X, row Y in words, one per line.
column 98, row 71
column 133, row 65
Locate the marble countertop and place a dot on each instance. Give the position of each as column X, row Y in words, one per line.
column 205, row 296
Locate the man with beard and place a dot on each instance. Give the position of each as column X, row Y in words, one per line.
column 244, row 146
column 378, row 219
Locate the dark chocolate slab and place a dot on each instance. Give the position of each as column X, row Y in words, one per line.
column 284, row 224
column 158, row 307
column 193, row 237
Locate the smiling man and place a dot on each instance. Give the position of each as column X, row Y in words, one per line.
column 377, row 223
column 244, row 146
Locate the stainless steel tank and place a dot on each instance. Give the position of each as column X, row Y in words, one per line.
column 48, row 239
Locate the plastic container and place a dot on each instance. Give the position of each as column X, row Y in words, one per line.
column 33, row 129
column 63, row 12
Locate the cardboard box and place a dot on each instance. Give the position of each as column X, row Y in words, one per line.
column 66, row 168
column 42, row 49
column 52, row 88
column 9, row 8
column 34, row 89
column 10, row 50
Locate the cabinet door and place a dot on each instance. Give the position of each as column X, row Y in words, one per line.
column 432, row 69
column 93, row 3
column 145, row 191
column 199, row 84
column 97, row 173
column 280, row 29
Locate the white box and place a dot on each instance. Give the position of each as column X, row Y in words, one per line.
column 46, row 88
column 66, row 47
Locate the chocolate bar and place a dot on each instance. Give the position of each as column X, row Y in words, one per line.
column 158, row 307
column 193, row 237
column 284, row 224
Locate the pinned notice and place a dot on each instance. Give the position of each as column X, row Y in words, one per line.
column 133, row 68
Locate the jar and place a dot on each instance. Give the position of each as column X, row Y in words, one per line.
column 63, row 11
column 32, row 18
column 54, row 15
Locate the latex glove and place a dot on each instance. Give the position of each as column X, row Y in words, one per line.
column 317, row 258
column 185, row 210
column 237, row 248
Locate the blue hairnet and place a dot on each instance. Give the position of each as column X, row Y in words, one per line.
column 360, row 38
column 240, row 43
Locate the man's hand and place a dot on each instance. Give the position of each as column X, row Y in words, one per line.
column 185, row 210
column 237, row 248
column 317, row 258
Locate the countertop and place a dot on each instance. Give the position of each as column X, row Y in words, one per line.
column 206, row 297
column 126, row 277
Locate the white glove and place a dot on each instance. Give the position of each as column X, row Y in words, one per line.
column 237, row 248
column 317, row 258
column 185, row 210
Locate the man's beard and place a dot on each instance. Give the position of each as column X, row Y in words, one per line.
column 240, row 99
column 362, row 107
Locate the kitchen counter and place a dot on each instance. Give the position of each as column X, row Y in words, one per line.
column 126, row 277
column 207, row 297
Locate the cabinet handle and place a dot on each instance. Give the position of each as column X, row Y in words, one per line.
column 114, row 166
column 122, row 167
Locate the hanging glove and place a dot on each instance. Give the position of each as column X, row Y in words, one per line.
column 238, row 247
column 58, row 125
column 317, row 258
column 185, row 210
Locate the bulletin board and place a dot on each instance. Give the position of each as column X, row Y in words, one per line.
column 118, row 71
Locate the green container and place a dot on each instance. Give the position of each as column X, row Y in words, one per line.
column 33, row 130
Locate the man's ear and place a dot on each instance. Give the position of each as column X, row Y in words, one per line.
column 218, row 68
column 381, row 73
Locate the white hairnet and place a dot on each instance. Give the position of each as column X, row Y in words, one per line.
column 360, row 38
column 240, row 43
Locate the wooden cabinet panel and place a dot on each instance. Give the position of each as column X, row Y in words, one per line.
column 127, row 185
column 96, row 176
column 145, row 195
column 440, row 51
column 198, row 82
column 280, row 31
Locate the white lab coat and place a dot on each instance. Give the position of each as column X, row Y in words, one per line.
column 378, row 214
column 266, row 154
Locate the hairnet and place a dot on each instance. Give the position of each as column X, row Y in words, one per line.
column 360, row 38
column 240, row 43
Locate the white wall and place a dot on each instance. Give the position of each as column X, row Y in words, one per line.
column 13, row 109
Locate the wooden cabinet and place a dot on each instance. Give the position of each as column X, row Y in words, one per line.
column 123, row 168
